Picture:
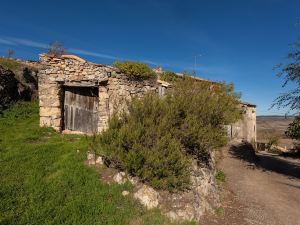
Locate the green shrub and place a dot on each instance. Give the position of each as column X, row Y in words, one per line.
column 157, row 137
column 220, row 177
column 10, row 64
column 293, row 130
column 135, row 70
column 168, row 76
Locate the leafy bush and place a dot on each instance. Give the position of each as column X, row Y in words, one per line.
column 157, row 137
column 135, row 70
column 168, row 76
column 293, row 130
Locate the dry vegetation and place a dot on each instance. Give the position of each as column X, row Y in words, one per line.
column 273, row 127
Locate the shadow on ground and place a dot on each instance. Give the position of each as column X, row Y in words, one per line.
column 265, row 161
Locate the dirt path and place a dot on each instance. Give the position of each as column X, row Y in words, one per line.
column 268, row 187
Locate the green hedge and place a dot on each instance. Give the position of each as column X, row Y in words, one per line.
column 157, row 138
column 135, row 70
column 168, row 76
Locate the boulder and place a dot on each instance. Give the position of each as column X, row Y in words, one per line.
column 120, row 178
column 147, row 196
column 99, row 160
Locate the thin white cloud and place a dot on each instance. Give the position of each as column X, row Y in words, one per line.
column 28, row 43
column 33, row 44
column 149, row 62
column 95, row 54
column 6, row 42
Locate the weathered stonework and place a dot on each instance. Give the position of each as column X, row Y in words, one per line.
column 245, row 128
column 115, row 88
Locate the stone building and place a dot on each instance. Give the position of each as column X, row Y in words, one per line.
column 75, row 95
column 245, row 128
column 79, row 96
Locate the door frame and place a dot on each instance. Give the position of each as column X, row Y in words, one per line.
column 62, row 95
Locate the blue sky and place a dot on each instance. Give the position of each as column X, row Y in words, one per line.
column 239, row 41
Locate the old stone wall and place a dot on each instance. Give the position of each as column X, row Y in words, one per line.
column 245, row 128
column 115, row 88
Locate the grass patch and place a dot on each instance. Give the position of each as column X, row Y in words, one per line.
column 220, row 177
column 44, row 180
column 220, row 211
column 10, row 64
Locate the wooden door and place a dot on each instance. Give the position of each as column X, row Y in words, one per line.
column 81, row 109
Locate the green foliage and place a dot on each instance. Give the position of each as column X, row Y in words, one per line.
column 136, row 70
column 220, row 176
column 290, row 73
column 19, row 110
column 44, row 180
column 10, row 64
column 157, row 137
column 293, row 130
column 168, row 76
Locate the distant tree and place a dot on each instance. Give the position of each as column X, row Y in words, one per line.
column 10, row 52
column 56, row 49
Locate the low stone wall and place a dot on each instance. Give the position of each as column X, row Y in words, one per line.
column 115, row 88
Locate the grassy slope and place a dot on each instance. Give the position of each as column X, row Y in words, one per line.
column 44, row 180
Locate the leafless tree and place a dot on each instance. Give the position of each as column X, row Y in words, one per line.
column 56, row 49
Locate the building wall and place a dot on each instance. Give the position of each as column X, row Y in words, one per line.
column 115, row 88
column 245, row 128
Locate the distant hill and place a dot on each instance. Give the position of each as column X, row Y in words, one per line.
column 276, row 125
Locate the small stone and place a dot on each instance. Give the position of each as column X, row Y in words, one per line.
column 119, row 178
column 125, row 193
column 91, row 158
column 133, row 180
column 99, row 160
column 90, row 155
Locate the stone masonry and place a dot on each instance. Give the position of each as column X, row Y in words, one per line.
column 114, row 87
column 245, row 128
column 114, row 90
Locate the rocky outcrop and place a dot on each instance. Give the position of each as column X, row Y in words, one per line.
column 189, row 205
column 9, row 86
column 19, row 83
column 147, row 196
column 193, row 203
